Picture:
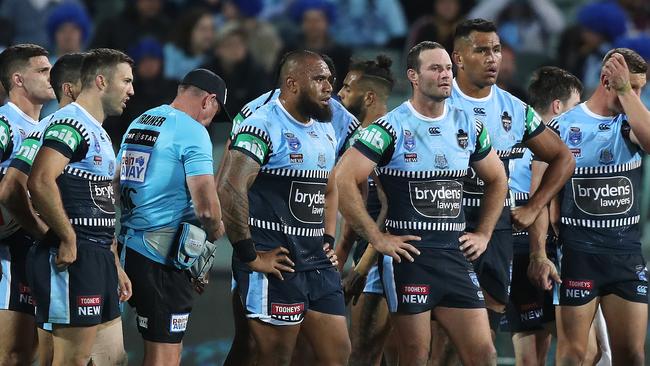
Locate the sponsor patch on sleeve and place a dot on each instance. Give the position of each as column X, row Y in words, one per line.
column 252, row 144
column 65, row 134
column 376, row 138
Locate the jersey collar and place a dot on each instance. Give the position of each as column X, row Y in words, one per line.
column 22, row 114
column 425, row 118
column 88, row 115
column 588, row 112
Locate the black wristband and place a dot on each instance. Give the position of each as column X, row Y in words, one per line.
column 329, row 239
column 244, row 250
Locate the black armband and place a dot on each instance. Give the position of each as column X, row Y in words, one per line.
column 244, row 250
column 329, row 239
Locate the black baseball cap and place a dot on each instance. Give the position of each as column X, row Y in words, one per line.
column 210, row 82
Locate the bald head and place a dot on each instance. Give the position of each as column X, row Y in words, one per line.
column 293, row 63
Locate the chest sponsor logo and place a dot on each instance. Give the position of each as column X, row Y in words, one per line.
column 307, row 201
column 415, row 294
column 102, row 196
column 296, row 158
column 292, row 141
column 434, row 131
column 141, row 137
column 575, row 135
column 178, row 322
column 436, row 198
column 578, row 289
column 409, row 140
column 517, row 151
column 506, row 121
column 478, row 111
column 288, row 312
column 411, row 157
column 603, row 196
column 134, row 166
column 606, row 156
column 89, row 305
column 462, row 139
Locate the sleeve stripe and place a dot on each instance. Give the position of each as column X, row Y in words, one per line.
column 77, row 125
column 252, row 130
column 385, row 125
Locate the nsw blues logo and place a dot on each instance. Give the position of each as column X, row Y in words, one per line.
column 96, row 141
column 575, row 135
column 462, row 139
column 606, row 156
column 642, row 273
column 409, row 140
column 321, row 161
column 292, row 141
column 441, row 161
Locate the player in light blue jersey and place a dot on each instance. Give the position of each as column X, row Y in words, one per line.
column 512, row 124
column 600, row 234
column 422, row 150
column 74, row 269
column 279, row 202
column 365, row 92
column 531, row 311
column 24, row 74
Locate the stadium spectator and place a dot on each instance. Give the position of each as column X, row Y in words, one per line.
column 68, row 27
column 438, row 25
column 28, row 18
column 375, row 23
column 191, row 39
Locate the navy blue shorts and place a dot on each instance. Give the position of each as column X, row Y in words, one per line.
column 15, row 293
column 586, row 276
column 83, row 294
column 530, row 307
column 278, row 302
column 438, row 277
column 494, row 266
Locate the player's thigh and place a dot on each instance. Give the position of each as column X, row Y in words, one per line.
column 626, row 322
column 328, row 335
column 531, row 347
column 45, row 347
column 72, row 345
column 574, row 324
column 413, row 331
column 18, row 331
column 369, row 323
column 469, row 330
column 277, row 340
column 109, row 344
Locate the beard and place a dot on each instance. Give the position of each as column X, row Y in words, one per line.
column 312, row 109
column 356, row 108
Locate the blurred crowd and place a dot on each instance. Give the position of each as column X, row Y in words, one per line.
column 242, row 40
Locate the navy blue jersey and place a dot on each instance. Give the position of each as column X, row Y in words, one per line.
column 287, row 199
column 510, row 123
column 86, row 181
column 600, row 203
column 422, row 162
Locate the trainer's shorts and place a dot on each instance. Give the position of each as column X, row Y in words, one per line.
column 163, row 297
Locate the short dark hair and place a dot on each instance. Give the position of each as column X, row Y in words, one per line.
column 67, row 69
column 465, row 28
column 549, row 83
column 376, row 71
column 100, row 61
column 181, row 37
column 16, row 57
column 635, row 63
column 413, row 57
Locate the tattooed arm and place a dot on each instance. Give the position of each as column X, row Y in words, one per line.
column 236, row 180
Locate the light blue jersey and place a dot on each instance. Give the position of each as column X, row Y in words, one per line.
column 343, row 121
column 600, row 203
column 510, row 123
column 421, row 163
column 86, row 182
column 159, row 150
column 287, row 199
column 15, row 125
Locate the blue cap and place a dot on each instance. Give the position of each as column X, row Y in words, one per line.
column 606, row 18
column 639, row 44
column 68, row 13
column 299, row 8
column 146, row 47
